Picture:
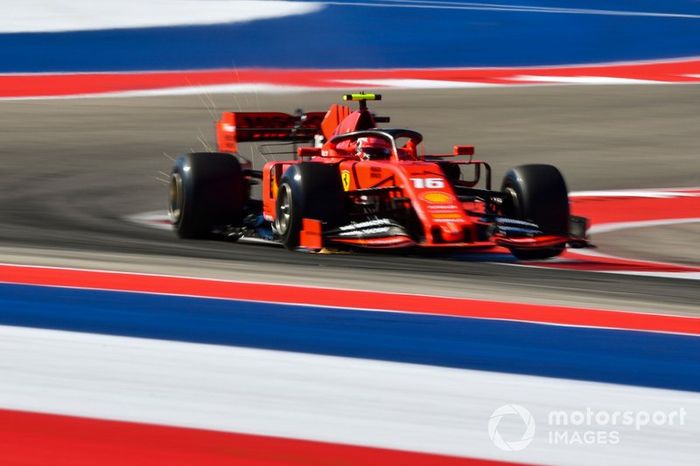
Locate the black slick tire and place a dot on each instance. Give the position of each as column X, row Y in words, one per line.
column 308, row 190
column 207, row 191
column 538, row 194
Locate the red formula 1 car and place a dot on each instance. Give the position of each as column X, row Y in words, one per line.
column 364, row 186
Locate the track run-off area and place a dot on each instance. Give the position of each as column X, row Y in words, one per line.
column 120, row 344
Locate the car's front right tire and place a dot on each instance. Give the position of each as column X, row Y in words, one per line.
column 537, row 193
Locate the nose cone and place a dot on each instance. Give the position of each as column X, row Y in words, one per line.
column 452, row 232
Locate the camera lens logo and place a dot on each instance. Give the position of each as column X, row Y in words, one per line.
column 510, row 410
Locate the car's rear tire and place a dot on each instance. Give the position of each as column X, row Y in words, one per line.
column 308, row 190
column 207, row 191
column 538, row 194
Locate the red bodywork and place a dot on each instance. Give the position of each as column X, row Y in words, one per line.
column 407, row 175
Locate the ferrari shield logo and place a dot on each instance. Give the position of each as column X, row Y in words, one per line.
column 345, row 176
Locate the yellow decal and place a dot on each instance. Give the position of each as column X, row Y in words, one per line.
column 362, row 96
column 445, row 215
column 435, row 197
column 345, row 176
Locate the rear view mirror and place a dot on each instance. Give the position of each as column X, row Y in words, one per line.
column 309, row 152
column 463, row 150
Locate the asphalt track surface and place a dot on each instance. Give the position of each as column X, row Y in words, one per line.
column 73, row 169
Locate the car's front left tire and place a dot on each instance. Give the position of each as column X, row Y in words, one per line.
column 308, row 190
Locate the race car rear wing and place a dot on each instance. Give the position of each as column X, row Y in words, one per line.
column 235, row 127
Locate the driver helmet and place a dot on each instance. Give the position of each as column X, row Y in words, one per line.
column 372, row 148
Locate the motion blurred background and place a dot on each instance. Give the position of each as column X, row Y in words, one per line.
column 96, row 98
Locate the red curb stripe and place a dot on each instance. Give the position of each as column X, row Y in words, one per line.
column 33, row 439
column 66, row 84
column 286, row 294
column 614, row 209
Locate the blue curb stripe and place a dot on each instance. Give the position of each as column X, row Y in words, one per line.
column 616, row 356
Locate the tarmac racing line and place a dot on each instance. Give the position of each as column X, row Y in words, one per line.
column 75, row 168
